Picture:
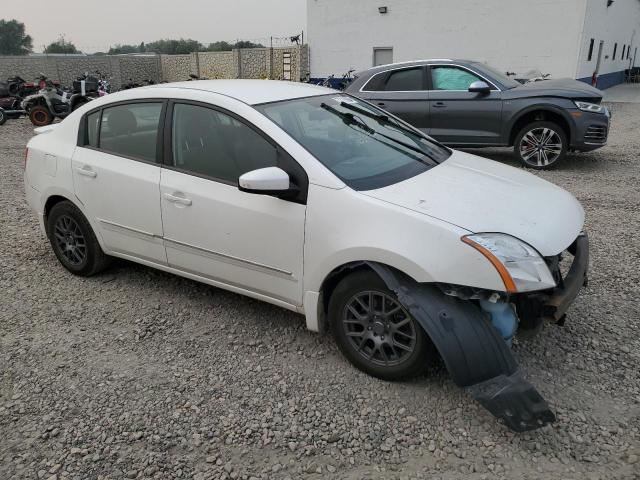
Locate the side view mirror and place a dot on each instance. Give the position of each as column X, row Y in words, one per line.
column 480, row 87
column 267, row 181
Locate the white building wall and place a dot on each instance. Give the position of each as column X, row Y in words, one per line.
column 618, row 23
column 512, row 35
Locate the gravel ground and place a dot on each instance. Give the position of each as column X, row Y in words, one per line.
column 140, row 374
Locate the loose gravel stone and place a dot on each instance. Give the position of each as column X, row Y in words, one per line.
column 139, row 374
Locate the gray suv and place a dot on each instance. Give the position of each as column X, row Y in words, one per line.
column 468, row 104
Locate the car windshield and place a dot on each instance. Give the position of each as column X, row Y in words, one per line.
column 506, row 81
column 359, row 143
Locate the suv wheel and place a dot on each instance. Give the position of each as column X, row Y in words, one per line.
column 541, row 145
column 74, row 242
column 374, row 331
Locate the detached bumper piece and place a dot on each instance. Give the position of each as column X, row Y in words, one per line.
column 476, row 356
column 514, row 400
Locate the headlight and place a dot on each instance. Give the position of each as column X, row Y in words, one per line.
column 590, row 107
column 521, row 268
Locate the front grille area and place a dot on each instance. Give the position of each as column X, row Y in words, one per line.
column 596, row 134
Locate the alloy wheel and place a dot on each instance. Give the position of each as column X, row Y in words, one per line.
column 70, row 240
column 379, row 328
column 540, row 147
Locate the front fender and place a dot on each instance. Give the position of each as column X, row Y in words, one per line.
column 520, row 112
column 476, row 356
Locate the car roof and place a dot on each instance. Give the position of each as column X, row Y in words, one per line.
column 252, row 92
column 411, row 63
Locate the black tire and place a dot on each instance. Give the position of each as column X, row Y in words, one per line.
column 79, row 250
column 541, row 145
column 405, row 363
column 3, row 117
column 40, row 116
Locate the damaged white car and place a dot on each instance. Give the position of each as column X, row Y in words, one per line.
column 321, row 203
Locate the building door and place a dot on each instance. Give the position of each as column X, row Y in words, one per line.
column 382, row 56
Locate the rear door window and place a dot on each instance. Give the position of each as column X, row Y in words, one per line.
column 410, row 79
column 130, row 130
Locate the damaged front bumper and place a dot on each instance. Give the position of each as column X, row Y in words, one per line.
column 551, row 306
column 475, row 353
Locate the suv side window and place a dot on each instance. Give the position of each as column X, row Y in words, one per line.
column 213, row 144
column 410, row 79
column 129, row 130
column 452, row 78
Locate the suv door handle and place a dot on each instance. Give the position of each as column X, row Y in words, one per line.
column 177, row 199
column 440, row 105
column 86, row 171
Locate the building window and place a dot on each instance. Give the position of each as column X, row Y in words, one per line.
column 382, row 56
column 615, row 49
column 591, row 50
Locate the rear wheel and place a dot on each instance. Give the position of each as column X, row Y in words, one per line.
column 40, row 116
column 541, row 145
column 374, row 331
column 74, row 242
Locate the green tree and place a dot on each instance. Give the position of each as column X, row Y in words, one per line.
column 220, row 47
column 121, row 49
column 247, row 44
column 175, row 47
column 14, row 39
column 61, row 46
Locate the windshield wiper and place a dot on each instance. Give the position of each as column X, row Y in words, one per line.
column 351, row 119
column 348, row 118
column 380, row 117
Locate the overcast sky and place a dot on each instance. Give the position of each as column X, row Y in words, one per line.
column 95, row 25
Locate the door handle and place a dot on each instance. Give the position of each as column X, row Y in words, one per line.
column 382, row 104
column 86, row 172
column 440, row 105
column 177, row 199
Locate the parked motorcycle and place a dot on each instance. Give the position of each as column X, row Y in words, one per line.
column 9, row 103
column 51, row 102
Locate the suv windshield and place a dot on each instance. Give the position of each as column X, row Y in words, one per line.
column 359, row 143
column 498, row 76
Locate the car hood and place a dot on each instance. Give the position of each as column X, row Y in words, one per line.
column 562, row 87
column 481, row 195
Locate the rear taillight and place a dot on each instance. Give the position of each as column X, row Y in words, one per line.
column 26, row 157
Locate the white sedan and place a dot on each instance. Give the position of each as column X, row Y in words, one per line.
column 323, row 204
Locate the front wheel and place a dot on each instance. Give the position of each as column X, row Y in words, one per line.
column 374, row 331
column 3, row 117
column 40, row 116
column 541, row 145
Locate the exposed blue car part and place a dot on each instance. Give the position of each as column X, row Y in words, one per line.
column 503, row 318
column 474, row 352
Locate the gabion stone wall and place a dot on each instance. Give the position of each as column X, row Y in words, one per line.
column 214, row 65
column 253, row 63
column 239, row 63
column 140, row 68
column 176, row 68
